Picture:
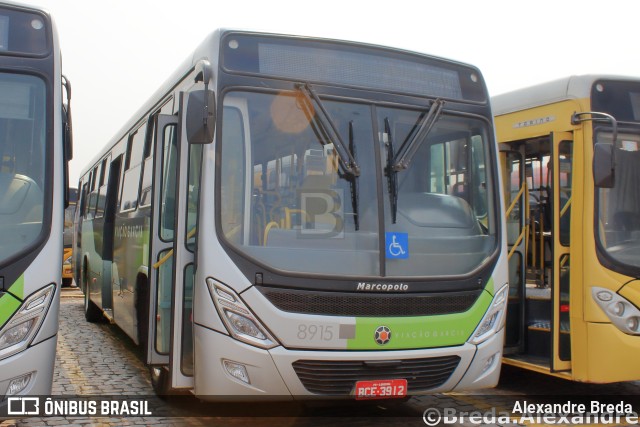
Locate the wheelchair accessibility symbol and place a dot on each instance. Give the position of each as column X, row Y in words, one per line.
column 397, row 245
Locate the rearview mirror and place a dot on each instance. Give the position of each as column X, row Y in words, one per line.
column 201, row 116
column 603, row 165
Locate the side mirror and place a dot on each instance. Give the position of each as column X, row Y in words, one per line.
column 66, row 121
column 201, row 116
column 603, row 165
column 67, row 137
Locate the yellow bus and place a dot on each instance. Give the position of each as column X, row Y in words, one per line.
column 67, row 238
column 570, row 153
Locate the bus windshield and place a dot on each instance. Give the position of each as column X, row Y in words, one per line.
column 619, row 207
column 288, row 201
column 22, row 156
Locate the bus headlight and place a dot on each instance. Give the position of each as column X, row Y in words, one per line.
column 15, row 334
column 623, row 314
column 494, row 318
column 20, row 330
column 241, row 323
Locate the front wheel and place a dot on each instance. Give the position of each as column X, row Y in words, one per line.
column 92, row 312
column 160, row 381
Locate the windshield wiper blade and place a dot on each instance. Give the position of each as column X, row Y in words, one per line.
column 353, row 180
column 392, row 175
column 328, row 128
column 411, row 144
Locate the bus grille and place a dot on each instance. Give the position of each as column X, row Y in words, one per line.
column 340, row 377
column 368, row 305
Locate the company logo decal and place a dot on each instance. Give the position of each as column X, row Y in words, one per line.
column 382, row 335
column 382, row 287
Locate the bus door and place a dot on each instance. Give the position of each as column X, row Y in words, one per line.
column 162, row 239
column 107, row 202
column 517, row 237
column 561, row 175
column 164, row 252
column 170, row 348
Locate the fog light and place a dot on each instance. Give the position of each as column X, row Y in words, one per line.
column 632, row 323
column 489, row 363
column 236, row 370
column 19, row 384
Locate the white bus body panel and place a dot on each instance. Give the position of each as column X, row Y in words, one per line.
column 39, row 359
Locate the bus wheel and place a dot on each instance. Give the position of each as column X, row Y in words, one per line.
column 92, row 313
column 160, row 380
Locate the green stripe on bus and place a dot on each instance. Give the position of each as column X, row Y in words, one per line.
column 17, row 288
column 8, row 306
column 419, row 332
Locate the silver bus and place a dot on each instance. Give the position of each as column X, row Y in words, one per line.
column 296, row 218
column 35, row 147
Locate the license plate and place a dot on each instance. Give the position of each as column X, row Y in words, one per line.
column 381, row 389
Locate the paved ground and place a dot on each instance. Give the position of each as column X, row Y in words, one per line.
column 98, row 360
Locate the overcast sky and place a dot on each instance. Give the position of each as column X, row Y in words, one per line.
column 117, row 52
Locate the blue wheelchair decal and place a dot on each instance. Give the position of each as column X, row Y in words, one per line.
column 397, row 245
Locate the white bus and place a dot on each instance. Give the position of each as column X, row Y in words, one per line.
column 297, row 218
column 35, row 147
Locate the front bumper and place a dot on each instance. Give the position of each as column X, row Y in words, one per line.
column 272, row 374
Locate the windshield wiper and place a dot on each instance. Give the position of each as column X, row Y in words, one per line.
column 353, row 180
column 411, row 144
column 327, row 128
column 392, row 175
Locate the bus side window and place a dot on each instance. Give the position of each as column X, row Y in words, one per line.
column 147, row 172
column 102, row 187
column 193, row 200
column 232, row 166
column 83, row 200
column 133, row 167
column 168, row 189
column 91, row 195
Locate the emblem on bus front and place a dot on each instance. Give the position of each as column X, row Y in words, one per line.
column 382, row 335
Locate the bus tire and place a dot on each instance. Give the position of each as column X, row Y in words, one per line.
column 160, row 381
column 92, row 313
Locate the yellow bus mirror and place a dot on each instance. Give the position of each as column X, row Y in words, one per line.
column 201, row 116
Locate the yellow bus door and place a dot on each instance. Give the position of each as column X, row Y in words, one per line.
column 515, row 190
column 561, row 175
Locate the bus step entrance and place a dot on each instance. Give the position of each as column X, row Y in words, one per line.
column 108, row 314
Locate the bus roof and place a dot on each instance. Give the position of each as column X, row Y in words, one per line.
column 24, row 6
column 572, row 87
column 208, row 49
